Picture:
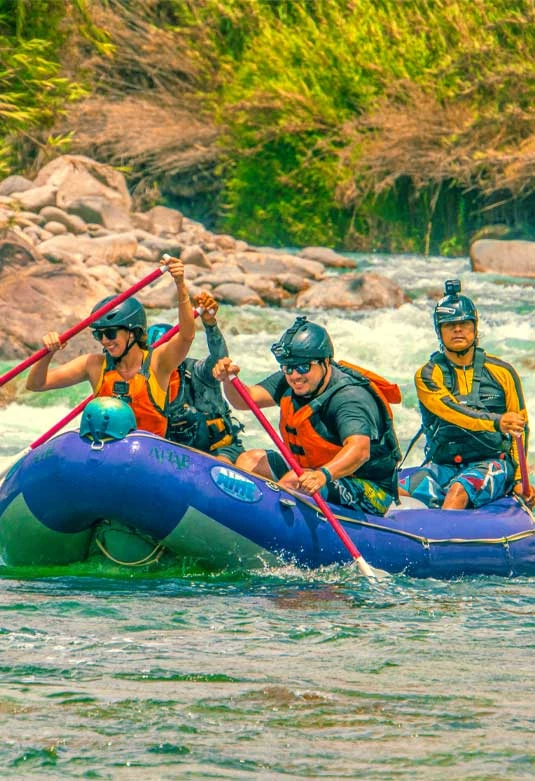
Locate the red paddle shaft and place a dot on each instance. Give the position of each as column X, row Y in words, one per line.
column 523, row 466
column 297, row 468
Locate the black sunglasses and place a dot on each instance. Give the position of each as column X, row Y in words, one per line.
column 300, row 368
column 109, row 333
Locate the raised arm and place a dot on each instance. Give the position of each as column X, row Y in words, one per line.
column 171, row 354
column 217, row 346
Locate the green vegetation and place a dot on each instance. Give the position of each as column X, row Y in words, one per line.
column 35, row 84
column 397, row 125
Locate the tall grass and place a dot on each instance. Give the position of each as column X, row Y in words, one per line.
column 366, row 124
column 346, row 110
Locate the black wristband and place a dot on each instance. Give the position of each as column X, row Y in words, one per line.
column 327, row 474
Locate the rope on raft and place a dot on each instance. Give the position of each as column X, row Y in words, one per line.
column 426, row 541
column 151, row 558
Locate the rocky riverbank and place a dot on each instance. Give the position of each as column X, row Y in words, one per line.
column 72, row 236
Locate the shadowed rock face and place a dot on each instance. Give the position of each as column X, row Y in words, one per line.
column 15, row 251
column 70, row 237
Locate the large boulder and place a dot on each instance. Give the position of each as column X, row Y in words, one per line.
column 73, row 176
column 99, row 211
column 352, row 291
column 278, row 263
column 239, row 295
column 42, row 298
column 515, row 258
column 326, row 256
column 115, row 248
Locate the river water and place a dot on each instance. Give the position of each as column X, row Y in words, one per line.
column 279, row 674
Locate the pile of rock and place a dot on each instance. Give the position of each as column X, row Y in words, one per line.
column 71, row 237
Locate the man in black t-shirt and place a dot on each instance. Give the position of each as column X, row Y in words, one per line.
column 331, row 419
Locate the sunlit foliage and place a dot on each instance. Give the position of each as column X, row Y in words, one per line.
column 365, row 124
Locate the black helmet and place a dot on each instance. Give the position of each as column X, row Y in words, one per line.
column 303, row 341
column 453, row 308
column 129, row 314
column 156, row 331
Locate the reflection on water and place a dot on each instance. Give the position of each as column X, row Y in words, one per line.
column 267, row 675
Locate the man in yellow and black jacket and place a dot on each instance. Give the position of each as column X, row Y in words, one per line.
column 472, row 408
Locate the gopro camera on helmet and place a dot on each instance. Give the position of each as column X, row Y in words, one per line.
column 452, row 287
column 303, row 341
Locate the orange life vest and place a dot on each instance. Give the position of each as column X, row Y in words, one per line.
column 147, row 399
column 313, row 450
column 388, row 392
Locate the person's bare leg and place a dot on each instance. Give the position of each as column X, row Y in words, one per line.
column 226, row 459
column 255, row 461
column 456, row 498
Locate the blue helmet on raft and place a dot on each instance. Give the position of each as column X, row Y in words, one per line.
column 107, row 417
column 156, row 331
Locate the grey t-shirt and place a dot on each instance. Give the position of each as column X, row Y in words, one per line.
column 351, row 411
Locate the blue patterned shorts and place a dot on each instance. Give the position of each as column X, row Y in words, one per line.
column 483, row 481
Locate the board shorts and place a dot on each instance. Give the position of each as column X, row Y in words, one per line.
column 230, row 451
column 352, row 492
column 483, row 481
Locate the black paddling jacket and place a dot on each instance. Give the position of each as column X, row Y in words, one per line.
column 461, row 408
column 199, row 416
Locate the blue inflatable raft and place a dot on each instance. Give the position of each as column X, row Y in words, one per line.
column 141, row 498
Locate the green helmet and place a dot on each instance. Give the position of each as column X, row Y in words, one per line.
column 156, row 331
column 107, row 417
column 129, row 314
column 303, row 341
column 453, row 308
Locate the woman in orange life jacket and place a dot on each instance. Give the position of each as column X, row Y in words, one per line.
column 126, row 368
column 331, row 419
column 472, row 408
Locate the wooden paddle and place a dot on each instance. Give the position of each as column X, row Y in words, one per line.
column 27, row 362
column 79, row 408
column 363, row 566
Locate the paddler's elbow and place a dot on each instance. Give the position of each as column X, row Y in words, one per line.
column 31, row 385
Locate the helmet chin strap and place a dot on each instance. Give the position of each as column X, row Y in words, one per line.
column 319, row 386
